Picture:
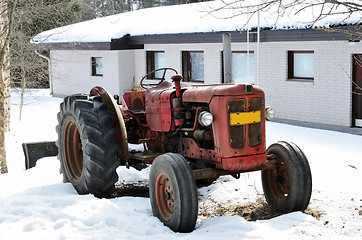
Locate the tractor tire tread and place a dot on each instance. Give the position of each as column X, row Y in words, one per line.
column 100, row 161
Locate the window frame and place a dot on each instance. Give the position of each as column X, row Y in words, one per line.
column 150, row 64
column 186, row 66
column 291, row 76
column 94, row 67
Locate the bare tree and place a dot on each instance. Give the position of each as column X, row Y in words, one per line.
column 321, row 10
column 6, row 11
column 30, row 18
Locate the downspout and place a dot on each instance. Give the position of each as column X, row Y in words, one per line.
column 258, row 51
column 226, row 39
column 49, row 69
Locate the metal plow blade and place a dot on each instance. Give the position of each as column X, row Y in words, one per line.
column 35, row 151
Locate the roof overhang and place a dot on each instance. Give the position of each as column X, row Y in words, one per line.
column 128, row 42
column 266, row 35
column 71, row 46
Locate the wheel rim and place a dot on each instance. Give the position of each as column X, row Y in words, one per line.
column 164, row 196
column 72, row 150
column 278, row 179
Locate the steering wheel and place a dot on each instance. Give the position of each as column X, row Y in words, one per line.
column 149, row 85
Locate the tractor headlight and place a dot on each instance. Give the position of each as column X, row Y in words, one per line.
column 269, row 113
column 205, row 118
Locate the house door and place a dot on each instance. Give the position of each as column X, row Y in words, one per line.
column 357, row 91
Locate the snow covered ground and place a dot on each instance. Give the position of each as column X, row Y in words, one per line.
column 35, row 204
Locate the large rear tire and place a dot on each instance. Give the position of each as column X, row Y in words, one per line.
column 87, row 145
column 173, row 192
column 288, row 186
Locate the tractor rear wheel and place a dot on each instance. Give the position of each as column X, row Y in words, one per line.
column 288, row 186
column 87, row 145
column 173, row 192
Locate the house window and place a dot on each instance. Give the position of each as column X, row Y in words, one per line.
column 155, row 60
column 239, row 67
column 240, row 71
column 97, row 66
column 193, row 66
column 301, row 65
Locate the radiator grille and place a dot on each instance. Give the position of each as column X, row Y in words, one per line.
column 254, row 133
column 237, row 133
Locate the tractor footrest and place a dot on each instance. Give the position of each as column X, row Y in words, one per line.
column 146, row 156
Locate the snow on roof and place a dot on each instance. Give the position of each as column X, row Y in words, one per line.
column 195, row 18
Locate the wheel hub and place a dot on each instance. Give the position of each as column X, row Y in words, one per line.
column 72, row 151
column 164, row 196
column 278, row 179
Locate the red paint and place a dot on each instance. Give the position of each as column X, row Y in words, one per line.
column 243, row 163
column 158, row 107
column 177, row 79
column 158, row 115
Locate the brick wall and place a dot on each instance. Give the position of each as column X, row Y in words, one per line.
column 71, row 72
column 327, row 99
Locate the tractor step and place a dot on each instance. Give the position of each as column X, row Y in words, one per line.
column 146, row 156
column 34, row 151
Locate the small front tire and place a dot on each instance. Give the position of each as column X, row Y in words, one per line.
column 288, row 186
column 173, row 192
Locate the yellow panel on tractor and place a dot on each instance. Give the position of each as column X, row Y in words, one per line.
column 242, row 118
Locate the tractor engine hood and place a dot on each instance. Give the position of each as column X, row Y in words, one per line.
column 204, row 93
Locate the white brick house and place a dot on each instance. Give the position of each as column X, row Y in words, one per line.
column 320, row 96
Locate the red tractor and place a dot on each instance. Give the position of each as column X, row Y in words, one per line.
column 190, row 134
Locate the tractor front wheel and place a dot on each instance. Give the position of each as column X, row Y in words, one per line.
column 288, row 186
column 173, row 192
column 87, row 145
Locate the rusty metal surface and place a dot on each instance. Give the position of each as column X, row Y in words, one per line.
column 115, row 110
column 146, row 157
column 237, row 133
column 134, row 102
column 243, row 163
column 199, row 93
column 189, row 148
column 237, row 148
column 221, row 129
column 255, row 129
column 158, row 107
column 206, row 173
column 205, row 93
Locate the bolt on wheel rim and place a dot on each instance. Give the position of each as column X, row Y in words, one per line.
column 278, row 180
column 164, row 196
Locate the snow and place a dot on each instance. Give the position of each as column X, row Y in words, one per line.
column 196, row 18
column 36, row 204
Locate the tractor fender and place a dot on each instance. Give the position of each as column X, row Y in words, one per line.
column 116, row 112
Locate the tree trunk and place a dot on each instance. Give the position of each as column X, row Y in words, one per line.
column 3, row 165
column 3, row 22
column 4, row 109
column 4, row 78
column 5, row 30
column 7, row 91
